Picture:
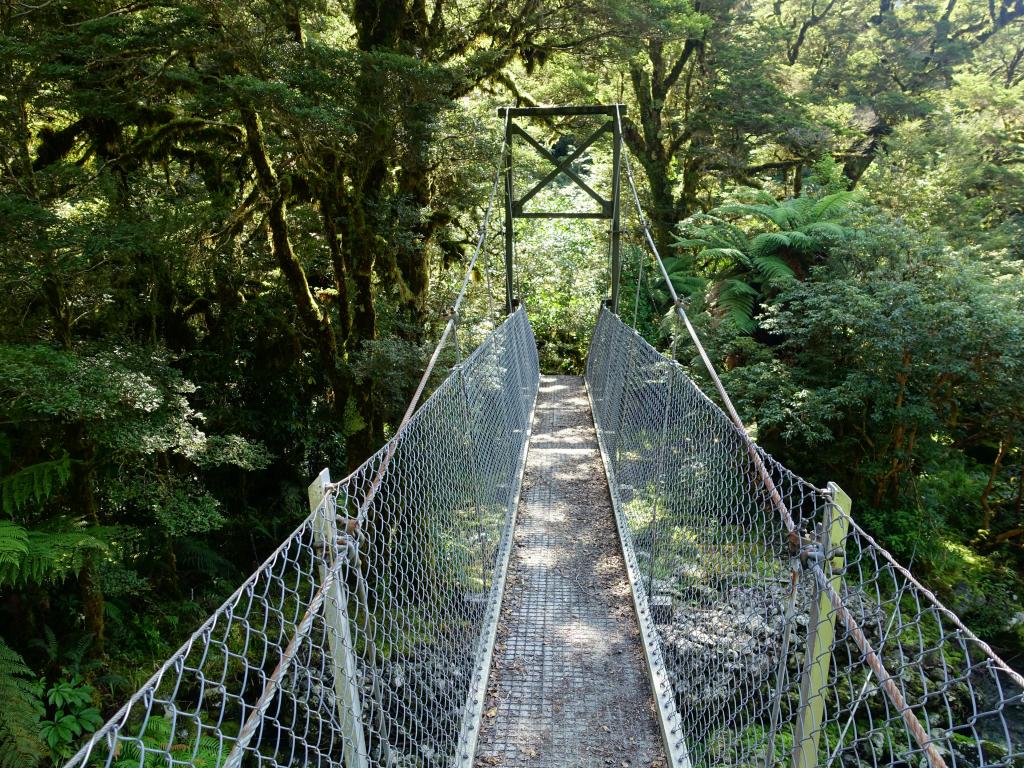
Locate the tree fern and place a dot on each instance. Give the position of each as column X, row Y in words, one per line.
column 826, row 229
column 688, row 285
column 803, row 243
column 19, row 713
column 724, row 255
column 735, row 304
column 768, row 244
column 690, row 242
column 768, row 212
column 830, row 205
column 747, row 267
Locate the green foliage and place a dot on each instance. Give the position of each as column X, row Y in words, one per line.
column 171, row 374
column 35, row 483
column 746, row 267
column 44, row 557
column 891, row 368
column 202, row 750
column 71, row 715
column 564, row 276
column 20, row 743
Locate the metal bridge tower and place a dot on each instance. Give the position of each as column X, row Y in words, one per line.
column 514, row 206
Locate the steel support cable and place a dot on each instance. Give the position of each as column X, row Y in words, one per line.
column 766, row 478
column 853, row 628
column 449, row 328
column 639, row 280
column 953, row 618
column 878, row 668
column 615, row 230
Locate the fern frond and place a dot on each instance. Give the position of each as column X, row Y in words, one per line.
column 674, row 265
column 50, row 557
column 728, row 255
column 753, row 196
column 19, row 716
column 200, row 556
column 689, row 285
column 832, row 205
column 733, row 236
column 13, row 543
column 690, row 242
column 823, row 229
column 793, row 213
column 803, row 242
column 768, row 243
column 201, row 750
column 34, row 483
column 734, row 304
column 48, row 643
column 774, row 269
column 738, row 287
column 761, row 211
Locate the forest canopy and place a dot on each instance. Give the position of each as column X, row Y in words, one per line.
column 230, row 232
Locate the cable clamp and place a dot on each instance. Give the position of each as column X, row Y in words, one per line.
column 810, row 554
column 838, row 553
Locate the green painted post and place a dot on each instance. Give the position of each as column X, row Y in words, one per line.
column 339, row 634
column 821, row 632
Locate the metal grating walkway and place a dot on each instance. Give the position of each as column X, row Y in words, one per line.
column 568, row 685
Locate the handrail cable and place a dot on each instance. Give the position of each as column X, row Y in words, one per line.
column 773, row 491
column 985, row 647
column 856, row 632
column 453, row 318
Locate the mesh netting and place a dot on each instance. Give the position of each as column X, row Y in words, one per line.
column 363, row 640
column 772, row 649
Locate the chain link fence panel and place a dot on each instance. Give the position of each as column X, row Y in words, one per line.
column 363, row 639
column 776, row 648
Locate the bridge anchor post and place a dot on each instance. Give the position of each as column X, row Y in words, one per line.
column 821, row 632
column 339, row 633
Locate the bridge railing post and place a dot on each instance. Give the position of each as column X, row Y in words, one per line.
column 339, row 633
column 821, row 630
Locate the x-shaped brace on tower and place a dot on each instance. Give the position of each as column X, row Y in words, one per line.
column 514, row 207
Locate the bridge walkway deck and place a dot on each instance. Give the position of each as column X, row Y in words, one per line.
column 568, row 685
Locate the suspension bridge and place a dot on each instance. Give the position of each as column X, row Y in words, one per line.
column 574, row 571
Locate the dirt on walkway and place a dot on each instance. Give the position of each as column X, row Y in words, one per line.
column 568, row 685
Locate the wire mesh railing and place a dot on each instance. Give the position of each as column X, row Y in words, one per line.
column 364, row 639
column 770, row 647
